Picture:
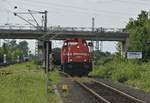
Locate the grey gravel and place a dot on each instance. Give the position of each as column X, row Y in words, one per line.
column 76, row 94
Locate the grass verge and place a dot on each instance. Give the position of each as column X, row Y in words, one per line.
column 22, row 83
column 54, row 79
column 25, row 83
column 125, row 71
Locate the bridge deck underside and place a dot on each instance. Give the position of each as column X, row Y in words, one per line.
column 60, row 35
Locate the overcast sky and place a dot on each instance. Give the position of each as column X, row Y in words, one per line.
column 108, row 13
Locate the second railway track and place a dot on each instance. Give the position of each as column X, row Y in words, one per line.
column 105, row 93
column 108, row 94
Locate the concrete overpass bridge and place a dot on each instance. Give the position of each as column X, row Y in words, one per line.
column 61, row 33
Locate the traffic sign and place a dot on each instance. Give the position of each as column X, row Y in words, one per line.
column 134, row 55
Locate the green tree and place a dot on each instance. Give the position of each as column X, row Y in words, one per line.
column 101, row 57
column 13, row 45
column 17, row 53
column 23, row 45
column 139, row 34
column 13, row 50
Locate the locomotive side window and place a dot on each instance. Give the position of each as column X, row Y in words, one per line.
column 73, row 43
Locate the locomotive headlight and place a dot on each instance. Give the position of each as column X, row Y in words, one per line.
column 78, row 47
column 85, row 60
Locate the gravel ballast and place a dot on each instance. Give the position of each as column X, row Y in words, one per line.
column 129, row 90
column 75, row 94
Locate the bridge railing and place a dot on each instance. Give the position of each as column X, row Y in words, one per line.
column 100, row 29
column 19, row 27
column 58, row 28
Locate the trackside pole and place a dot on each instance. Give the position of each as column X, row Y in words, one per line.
column 46, row 66
column 47, row 46
column 93, row 30
column 4, row 59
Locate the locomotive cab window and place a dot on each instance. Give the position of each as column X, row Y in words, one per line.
column 72, row 43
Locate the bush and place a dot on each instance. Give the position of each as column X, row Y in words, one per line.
column 118, row 70
column 99, row 71
column 125, row 72
column 130, row 72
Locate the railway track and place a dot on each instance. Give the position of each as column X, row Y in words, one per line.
column 104, row 93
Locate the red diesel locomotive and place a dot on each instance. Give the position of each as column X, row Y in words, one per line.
column 76, row 57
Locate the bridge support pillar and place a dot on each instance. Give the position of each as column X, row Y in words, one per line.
column 97, row 45
column 40, row 53
column 124, row 48
column 44, row 54
column 48, row 57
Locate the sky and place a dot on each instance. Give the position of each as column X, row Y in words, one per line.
column 76, row 13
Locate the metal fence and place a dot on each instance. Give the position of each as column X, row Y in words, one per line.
column 99, row 29
column 19, row 27
column 58, row 28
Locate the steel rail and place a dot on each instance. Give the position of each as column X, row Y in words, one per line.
column 118, row 91
column 87, row 89
column 132, row 98
column 92, row 92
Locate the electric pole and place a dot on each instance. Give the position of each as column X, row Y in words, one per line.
column 35, row 24
column 93, row 24
column 93, row 27
column 45, row 21
column 45, row 43
column 92, row 47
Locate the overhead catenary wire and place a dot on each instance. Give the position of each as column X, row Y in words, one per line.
column 81, row 10
column 87, row 9
column 40, row 3
column 56, row 11
column 59, row 10
column 76, row 7
column 73, row 11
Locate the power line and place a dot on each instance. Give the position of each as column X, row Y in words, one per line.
column 84, row 10
column 55, row 10
column 75, row 11
column 95, row 10
column 79, row 8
